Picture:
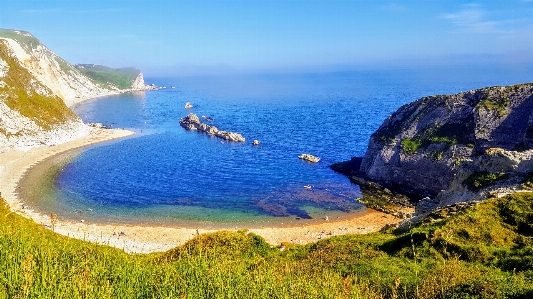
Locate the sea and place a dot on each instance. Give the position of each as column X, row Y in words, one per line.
column 166, row 175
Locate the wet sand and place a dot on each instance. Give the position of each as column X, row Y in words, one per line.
column 147, row 238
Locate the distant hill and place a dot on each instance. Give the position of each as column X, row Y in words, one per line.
column 121, row 78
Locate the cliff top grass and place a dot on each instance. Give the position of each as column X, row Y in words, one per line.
column 21, row 94
column 24, row 38
column 483, row 252
column 121, row 78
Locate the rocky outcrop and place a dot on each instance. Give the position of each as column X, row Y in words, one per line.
column 419, row 148
column 138, row 83
column 192, row 122
column 309, row 158
column 496, row 173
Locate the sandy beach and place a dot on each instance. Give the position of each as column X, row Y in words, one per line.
column 146, row 239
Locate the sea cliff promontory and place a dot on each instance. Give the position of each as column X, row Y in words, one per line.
column 37, row 87
column 427, row 144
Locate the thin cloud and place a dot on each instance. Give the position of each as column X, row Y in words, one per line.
column 472, row 19
column 395, row 7
column 104, row 10
column 40, row 11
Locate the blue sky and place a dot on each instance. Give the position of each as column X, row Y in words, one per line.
column 196, row 37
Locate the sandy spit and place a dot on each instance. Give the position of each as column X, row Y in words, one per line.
column 147, row 239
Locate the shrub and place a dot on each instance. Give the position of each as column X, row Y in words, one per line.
column 410, row 146
column 479, row 180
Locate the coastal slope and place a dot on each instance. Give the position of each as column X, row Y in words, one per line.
column 37, row 87
column 72, row 84
column 127, row 78
column 422, row 147
column 31, row 113
column 58, row 75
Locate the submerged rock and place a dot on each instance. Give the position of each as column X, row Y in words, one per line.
column 309, row 158
column 192, row 122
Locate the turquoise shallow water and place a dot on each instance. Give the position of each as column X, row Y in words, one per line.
column 168, row 175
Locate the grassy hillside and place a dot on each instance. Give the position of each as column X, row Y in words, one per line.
column 22, row 93
column 24, row 38
column 120, row 78
column 485, row 252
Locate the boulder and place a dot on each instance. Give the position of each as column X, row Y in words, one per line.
column 309, row 158
column 188, row 105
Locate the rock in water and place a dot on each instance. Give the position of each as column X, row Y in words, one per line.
column 256, row 142
column 192, row 122
column 309, row 158
column 421, row 149
column 188, row 105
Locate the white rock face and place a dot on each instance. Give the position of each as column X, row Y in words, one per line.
column 138, row 83
column 18, row 131
column 4, row 68
column 22, row 133
column 51, row 77
column 52, row 71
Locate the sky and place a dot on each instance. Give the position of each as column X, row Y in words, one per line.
column 206, row 37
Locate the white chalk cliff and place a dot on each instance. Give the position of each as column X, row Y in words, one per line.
column 36, row 89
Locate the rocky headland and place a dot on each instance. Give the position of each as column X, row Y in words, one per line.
column 37, row 87
column 446, row 149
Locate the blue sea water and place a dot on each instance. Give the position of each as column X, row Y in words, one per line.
column 168, row 175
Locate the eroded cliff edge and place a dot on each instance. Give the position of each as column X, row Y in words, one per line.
column 421, row 148
column 37, row 87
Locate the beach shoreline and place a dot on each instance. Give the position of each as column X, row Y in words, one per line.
column 153, row 238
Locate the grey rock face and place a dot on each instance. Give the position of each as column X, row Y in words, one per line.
column 496, row 173
column 419, row 148
column 192, row 122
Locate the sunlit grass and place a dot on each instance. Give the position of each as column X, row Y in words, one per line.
column 485, row 252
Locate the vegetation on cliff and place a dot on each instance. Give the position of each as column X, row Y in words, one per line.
column 483, row 252
column 121, row 78
column 21, row 92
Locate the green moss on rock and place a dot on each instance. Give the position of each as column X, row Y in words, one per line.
column 479, row 180
column 410, row 145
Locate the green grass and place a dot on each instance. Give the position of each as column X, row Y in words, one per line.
column 497, row 102
column 484, row 252
column 479, row 180
column 44, row 110
column 437, row 155
column 410, row 145
column 27, row 40
column 121, row 78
